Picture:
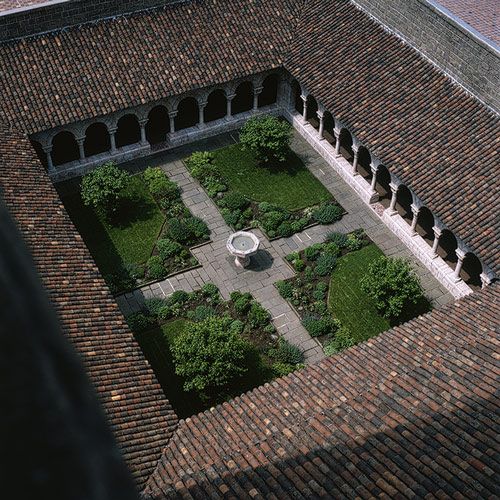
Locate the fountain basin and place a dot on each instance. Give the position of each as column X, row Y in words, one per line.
column 242, row 245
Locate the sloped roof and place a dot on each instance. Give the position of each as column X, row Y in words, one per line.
column 139, row 414
column 410, row 413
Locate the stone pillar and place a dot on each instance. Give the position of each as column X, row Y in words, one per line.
column 461, row 255
column 336, row 133
column 81, row 149
column 414, row 210
column 392, row 206
column 229, row 100
column 48, row 153
column 374, row 178
column 437, row 235
column 201, row 111
column 142, row 124
column 304, row 111
column 355, row 151
column 171, row 116
column 321, row 118
column 112, row 138
column 256, row 93
column 485, row 280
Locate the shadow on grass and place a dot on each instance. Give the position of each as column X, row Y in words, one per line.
column 412, row 311
column 291, row 166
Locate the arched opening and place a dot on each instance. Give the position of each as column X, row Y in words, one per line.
column 298, row 103
column 329, row 127
column 128, row 131
column 345, row 140
column 404, row 199
column 243, row 101
column 158, row 125
column 382, row 186
column 64, row 148
column 269, row 94
column 364, row 163
column 425, row 224
column 216, row 106
column 188, row 113
column 312, row 111
column 96, row 139
column 40, row 153
column 471, row 270
column 447, row 246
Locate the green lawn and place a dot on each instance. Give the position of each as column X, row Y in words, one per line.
column 292, row 186
column 128, row 239
column 348, row 302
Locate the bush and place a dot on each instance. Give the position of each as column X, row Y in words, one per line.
column 393, row 285
column 327, row 213
column 285, row 289
column 103, row 188
column 201, row 313
column 168, row 248
column 237, row 326
column 354, row 242
column 178, row 230
column 299, row 265
column 154, row 306
column 178, row 297
column 312, row 252
column 325, row 264
column 197, row 227
column 258, row 316
column 285, row 230
column 320, row 325
column 266, row 207
column 339, row 239
column 134, row 271
column 282, row 369
column 241, row 301
column 156, row 269
column 160, row 186
column 285, row 352
column 267, row 137
column 342, row 340
column 331, row 249
column 210, row 290
column 214, row 186
column 320, row 291
column 270, row 221
column 209, row 355
column 200, row 165
column 234, row 200
column 299, row 224
column 139, row 322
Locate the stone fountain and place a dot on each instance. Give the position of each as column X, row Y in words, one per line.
column 242, row 245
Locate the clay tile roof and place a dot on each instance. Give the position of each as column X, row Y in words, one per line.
column 140, row 416
column 427, row 130
column 410, row 413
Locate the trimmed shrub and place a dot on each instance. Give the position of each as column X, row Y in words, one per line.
column 139, row 322
column 234, row 200
column 154, row 306
column 393, row 285
column 319, row 292
column 319, row 325
column 178, row 297
column 197, row 227
column 292, row 256
column 201, row 313
column 210, row 290
column 299, row 265
column 156, row 269
column 134, row 271
column 258, row 316
column 354, row 242
column 339, row 239
column 237, row 326
column 214, row 186
column 176, row 210
column 200, row 165
column 168, row 248
column 285, row 289
column 282, row 369
column 285, row 352
column 285, row 230
column 299, row 224
column 331, row 249
column 327, row 213
column 160, row 186
column 265, row 207
column 312, row 252
column 325, row 264
column 343, row 339
column 178, row 230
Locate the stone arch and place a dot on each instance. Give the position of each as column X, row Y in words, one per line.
column 188, row 113
column 329, row 127
column 158, row 125
column 269, row 94
column 128, row 130
column 64, row 148
column 425, row 224
column 298, row 103
column 312, row 111
column 243, row 100
column 447, row 246
column 96, row 139
column 216, row 107
column 40, row 152
column 404, row 200
column 364, row 163
column 471, row 270
column 382, row 185
column 345, row 139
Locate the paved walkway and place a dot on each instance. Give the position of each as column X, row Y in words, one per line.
column 268, row 265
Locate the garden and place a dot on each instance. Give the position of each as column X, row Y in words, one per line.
column 136, row 226
column 261, row 182
column 346, row 291
column 204, row 350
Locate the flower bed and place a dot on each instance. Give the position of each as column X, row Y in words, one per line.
column 267, row 356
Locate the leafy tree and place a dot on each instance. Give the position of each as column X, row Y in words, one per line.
column 209, row 355
column 104, row 187
column 393, row 285
column 268, row 137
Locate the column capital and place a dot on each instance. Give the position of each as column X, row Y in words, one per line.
column 437, row 231
column 394, row 187
column 257, row 90
column 460, row 254
column 355, row 149
column 303, row 97
column 172, row 114
column 201, row 104
column 485, row 279
column 230, row 97
column 414, row 209
column 374, row 168
column 112, row 130
column 143, row 121
column 320, row 114
column 47, row 148
column 80, row 139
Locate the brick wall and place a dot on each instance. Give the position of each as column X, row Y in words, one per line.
column 471, row 60
column 64, row 13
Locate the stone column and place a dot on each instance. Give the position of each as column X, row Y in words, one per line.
column 336, row 133
column 229, row 100
column 142, row 124
column 355, row 151
column 485, row 280
column 460, row 262
column 304, row 110
column 392, row 207
column 437, row 235
column 256, row 93
column 81, row 149
column 112, row 138
column 201, row 111
column 414, row 211
column 321, row 118
column 171, row 116
column 374, row 169
column 48, row 153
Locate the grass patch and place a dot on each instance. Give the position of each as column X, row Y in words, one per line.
column 353, row 307
column 127, row 240
column 291, row 186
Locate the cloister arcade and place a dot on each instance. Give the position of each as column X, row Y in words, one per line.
column 396, row 198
